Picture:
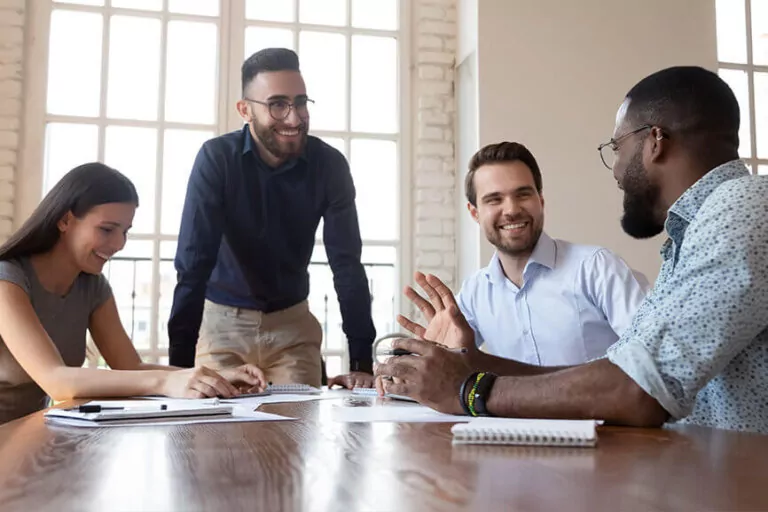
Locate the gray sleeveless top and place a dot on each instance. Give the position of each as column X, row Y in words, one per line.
column 66, row 321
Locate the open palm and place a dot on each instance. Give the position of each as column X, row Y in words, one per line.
column 445, row 323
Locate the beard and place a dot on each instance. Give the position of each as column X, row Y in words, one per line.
column 640, row 200
column 282, row 150
column 516, row 247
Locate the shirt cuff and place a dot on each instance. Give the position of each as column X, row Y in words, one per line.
column 639, row 365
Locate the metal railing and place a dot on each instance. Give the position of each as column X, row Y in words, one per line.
column 132, row 288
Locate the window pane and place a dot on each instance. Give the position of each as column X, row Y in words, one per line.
column 133, row 152
column 380, row 270
column 199, row 7
column 134, row 68
column 146, row 5
column 66, row 147
column 130, row 275
column 739, row 82
column 190, row 95
column 333, row 366
column 374, row 84
column 74, row 65
column 762, row 169
column 760, row 32
column 179, row 151
column 381, row 14
column 327, row 12
column 80, row 2
column 167, row 286
column 761, row 114
column 374, row 170
column 324, row 304
column 323, row 66
column 258, row 38
column 336, row 143
column 379, row 263
column 270, row 10
column 731, row 31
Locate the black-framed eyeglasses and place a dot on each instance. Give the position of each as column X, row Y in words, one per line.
column 281, row 109
column 608, row 150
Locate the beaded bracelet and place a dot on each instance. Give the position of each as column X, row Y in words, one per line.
column 472, row 393
column 462, row 391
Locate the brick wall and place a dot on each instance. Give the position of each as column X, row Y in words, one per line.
column 434, row 166
column 11, row 53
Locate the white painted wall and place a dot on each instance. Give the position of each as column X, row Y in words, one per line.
column 551, row 74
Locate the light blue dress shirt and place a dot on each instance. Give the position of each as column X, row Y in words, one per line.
column 699, row 342
column 574, row 303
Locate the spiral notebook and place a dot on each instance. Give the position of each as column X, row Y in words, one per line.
column 530, row 432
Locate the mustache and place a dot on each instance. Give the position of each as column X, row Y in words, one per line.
column 507, row 219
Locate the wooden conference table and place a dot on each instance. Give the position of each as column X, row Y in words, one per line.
column 318, row 464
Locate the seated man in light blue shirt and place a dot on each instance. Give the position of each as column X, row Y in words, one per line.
column 540, row 301
column 697, row 348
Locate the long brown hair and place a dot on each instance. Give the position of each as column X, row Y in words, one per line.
column 81, row 189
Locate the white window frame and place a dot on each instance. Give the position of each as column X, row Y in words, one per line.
column 750, row 68
column 231, row 25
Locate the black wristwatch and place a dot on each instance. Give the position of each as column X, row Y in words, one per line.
column 361, row 365
column 483, row 393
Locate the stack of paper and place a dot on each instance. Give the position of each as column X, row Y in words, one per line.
column 154, row 412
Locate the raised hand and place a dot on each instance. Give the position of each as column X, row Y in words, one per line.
column 446, row 325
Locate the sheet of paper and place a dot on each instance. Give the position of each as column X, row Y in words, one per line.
column 367, row 410
column 256, row 401
column 239, row 414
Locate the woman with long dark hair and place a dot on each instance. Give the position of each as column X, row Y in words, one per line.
column 52, row 291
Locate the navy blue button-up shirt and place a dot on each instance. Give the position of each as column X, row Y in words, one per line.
column 247, row 235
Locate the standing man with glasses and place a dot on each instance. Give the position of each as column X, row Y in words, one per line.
column 254, row 201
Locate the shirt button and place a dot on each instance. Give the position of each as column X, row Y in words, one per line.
column 525, row 332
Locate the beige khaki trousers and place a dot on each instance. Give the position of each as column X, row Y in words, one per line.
column 284, row 344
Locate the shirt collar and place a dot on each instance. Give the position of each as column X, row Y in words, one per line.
column 249, row 146
column 543, row 254
column 687, row 205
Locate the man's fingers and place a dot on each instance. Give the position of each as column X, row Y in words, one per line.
column 398, row 366
column 420, row 302
column 336, row 381
column 379, row 385
column 445, row 293
column 434, row 297
column 419, row 347
column 411, row 326
column 396, row 388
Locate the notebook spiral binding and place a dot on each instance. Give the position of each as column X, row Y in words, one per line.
column 522, row 437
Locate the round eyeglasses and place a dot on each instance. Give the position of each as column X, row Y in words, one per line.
column 280, row 109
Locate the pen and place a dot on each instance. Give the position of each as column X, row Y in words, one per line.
column 99, row 408
column 403, row 352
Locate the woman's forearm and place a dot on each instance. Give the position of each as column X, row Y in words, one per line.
column 162, row 367
column 66, row 383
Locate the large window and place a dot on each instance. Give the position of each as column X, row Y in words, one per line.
column 141, row 84
column 742, row 52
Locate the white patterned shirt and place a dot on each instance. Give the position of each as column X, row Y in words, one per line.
column 699, row 342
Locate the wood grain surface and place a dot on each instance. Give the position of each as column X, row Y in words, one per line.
column 319, row 465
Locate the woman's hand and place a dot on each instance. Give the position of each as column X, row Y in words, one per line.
column 247, row 378
column 199, row 382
